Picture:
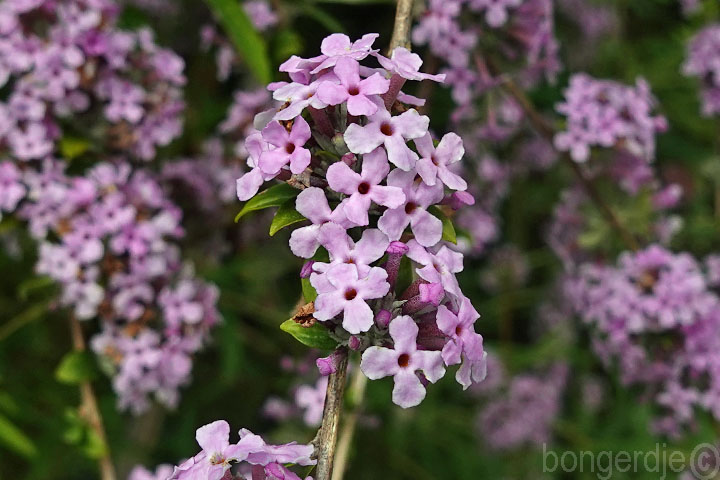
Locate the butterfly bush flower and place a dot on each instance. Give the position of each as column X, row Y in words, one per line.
column 353, row 90
column 606, row 114
column 701, row 62
column 364, row 188
column 392, row 132
column 218, row 455
column 656, row 317
column 403, row 361
column 359, row 122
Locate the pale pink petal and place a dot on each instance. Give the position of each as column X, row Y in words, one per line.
column 342, row 178
column 332, row 93
column 375, row 166
column 408, row 390
column 272, row 161
column 393, row 223
column 379, row 362
column 365, row 139
column 371, row 246
column 426, row 227
column 248, row 185
column 304, row 242
column 275, row 134
column 391, row 197
column 213, row 437
column 398, row 152
column 427, row 170
column 360, row 105
column 312, row 204
column 358, row 316
column 356, row 209
column 403, row 331
column 299, row 160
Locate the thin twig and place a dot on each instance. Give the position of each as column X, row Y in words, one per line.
column 327, row 435
column 546, row 130
column 89, row 407
column 356, row 394
column 401, row 29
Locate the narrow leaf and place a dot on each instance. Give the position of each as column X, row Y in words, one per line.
column 448, row 230
column 328, row 21
column 72, row 147
column 75, row 367
column 315, row 336
column 286, row 215
column 248, row 42
column 309, row 292
column 272, row 197
column 14, row 439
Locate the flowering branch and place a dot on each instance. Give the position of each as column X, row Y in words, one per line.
column 546, row 130
column 401, row 29
column 327, row 435
column 89, row 407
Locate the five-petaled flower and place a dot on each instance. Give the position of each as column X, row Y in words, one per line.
column 402, row 362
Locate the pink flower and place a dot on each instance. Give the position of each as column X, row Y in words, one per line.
column 365, row 186
column 439, row 267
column 313, row 205
column 341, row 289
column 384, row 129
column 248, row 185
column 338, row 45
column 217, row 454
column 342, row 249
column 426, row 227
column 407, row 64
column 353, row 90
column 289, row 147
column 402, row 361
column 464, row 343
column 434, row 161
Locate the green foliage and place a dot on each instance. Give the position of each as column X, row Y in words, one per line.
column 76, row 367
column 309, row 292
column 448, row 230
column 315, row 336
column 14, row 439
column 285, row 216
column 248, row 42
column 274, row 196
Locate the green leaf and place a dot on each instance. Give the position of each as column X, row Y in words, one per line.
column 75, row 367
column 448, row 230
column 286, row 44
column 309, row 292
column 14, row 439
column 286, row 215
column 72, row 147
column 315, row 336
column 32, row 284
column 328, row 21
column 248, row 42
column 35, row 312
column 272, row 197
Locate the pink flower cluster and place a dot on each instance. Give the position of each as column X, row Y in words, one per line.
column 606, row 114
column 521, row 410
column 71, row 68
column 372, row 199
column 656, row 317
column 702, row 62
column 250, row 458
column 109, row 239
column 107, row 236
column 462, row 32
